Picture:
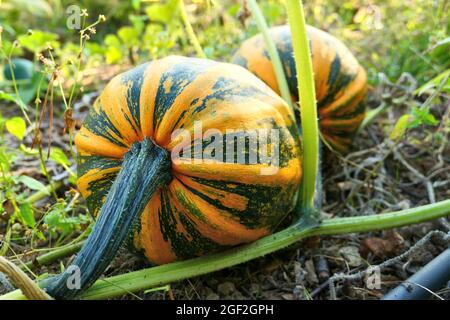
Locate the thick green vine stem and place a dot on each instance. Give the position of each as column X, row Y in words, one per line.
column 161, row 275
column 146, row 167
column 308, row 108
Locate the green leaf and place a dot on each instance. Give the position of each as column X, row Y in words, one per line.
column 162, row 12
column 26, row 212
column 422, row 116
column 38, row 41
column 57, row 221
column 136, row 4
column 93, row 48
column 13, row 98
column 39, row 8
column 8, row 46
column 73, row 179
column 28, row 151
column 59, row 157
column 42, row 276
column 40, row 235
column 113, row 55
column 138, row 22
column 129, row 36
column 33, row 184
column 112, row 41
column 5, row 160
column 114, row 49
column 441, row 48
column 443, row 79
column 4, row 246
column 16, row 126
column 400, row 127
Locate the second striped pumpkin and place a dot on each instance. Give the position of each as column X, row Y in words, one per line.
column 340, row 81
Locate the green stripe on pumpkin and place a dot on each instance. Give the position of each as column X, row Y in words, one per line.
column 184, row 247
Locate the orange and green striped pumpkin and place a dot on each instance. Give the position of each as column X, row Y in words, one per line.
column 340, row 81
column 194, row 208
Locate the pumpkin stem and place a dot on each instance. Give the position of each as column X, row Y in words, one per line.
column 146, row 167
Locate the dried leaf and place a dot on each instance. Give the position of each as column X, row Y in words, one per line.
column 351, row 255
column 69, row 121
column 244, row 13
column 391, row 245
column 311, row 275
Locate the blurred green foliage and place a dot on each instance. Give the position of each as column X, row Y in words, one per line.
column 388, row 36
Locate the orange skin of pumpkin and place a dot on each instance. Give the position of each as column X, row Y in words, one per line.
column 226, row 194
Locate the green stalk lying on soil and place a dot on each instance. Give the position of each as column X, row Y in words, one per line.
column 54, row 255
column 157, row 276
